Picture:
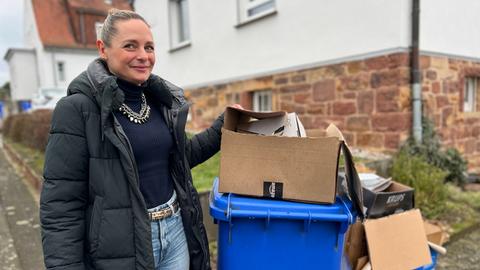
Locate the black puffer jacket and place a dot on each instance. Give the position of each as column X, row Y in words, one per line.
column 92, row 213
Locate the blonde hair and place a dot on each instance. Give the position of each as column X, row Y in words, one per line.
column 108, row 29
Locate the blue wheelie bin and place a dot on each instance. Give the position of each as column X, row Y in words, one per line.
column 257, row 233
column 431, row 266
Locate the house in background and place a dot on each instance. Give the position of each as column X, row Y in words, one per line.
column 347, row 62
column 59, row 37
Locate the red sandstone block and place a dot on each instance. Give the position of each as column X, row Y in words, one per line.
column 344, row 107
column 442, row 101
column 350, row 95
column 358, row 123
column 431, row 75
column 446, row 114
column 324, row 90
column 391, row 122
column 374, row 140
column 357, row 82
column 298, row 78
column 424, row 61
column 392, row 141
column 365, row 102
column 436, row 87
column 389, row 78
column 399, row 60
column 386, row 100
column 295, row 88
column 282, row 80
column 302, row 97
column 319, row 109
column 377, row 63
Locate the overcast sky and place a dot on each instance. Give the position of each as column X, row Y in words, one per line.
column 11, row 32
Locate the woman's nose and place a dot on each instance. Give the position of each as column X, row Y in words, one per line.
column 142, row 54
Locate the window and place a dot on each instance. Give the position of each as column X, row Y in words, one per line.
column 61, row 71
column 98, row 29
column 179, row 24
column 262, row 101
column 470, row 96
column 253, row 9
column 108, row 2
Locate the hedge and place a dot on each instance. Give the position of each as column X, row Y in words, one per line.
column 30, row 129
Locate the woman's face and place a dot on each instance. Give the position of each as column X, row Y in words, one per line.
column 131, row 54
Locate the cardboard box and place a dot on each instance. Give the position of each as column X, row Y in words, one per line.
column 395, row 198
column 435, row 233
column 393, row 242
column 292, row 168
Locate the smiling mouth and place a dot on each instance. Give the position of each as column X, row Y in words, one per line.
column 141, row 68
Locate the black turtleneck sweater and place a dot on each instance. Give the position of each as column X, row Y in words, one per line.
column 151, row 143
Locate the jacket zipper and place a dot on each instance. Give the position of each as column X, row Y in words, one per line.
column 123, row 137
column 197, row 210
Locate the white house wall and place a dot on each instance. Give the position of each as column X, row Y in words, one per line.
column 23, row 77
column 450, row 27
column 302, row 32
column 75, row 62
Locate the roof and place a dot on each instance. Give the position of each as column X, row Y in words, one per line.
column 71, row 23
column 8, row 55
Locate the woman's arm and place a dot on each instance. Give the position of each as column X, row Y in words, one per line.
column 64, row 194
column 205, row 144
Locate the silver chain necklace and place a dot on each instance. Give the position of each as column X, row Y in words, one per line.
column 137, row 118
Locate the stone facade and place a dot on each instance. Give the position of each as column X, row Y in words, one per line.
column 369, row 100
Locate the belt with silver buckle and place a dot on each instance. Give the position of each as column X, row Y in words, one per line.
column 164, row 212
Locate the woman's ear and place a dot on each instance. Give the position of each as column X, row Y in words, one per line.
column 101, row 49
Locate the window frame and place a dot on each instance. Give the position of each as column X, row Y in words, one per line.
column 261, row 99
column 471, row 89
column 61, row 72
column 244, row 6
column 179, row 24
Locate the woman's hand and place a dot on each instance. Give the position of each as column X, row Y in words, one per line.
column 237, row 106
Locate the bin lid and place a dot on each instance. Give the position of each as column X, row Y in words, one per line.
column 224, row 206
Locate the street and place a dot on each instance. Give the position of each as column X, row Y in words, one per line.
column 20, row 243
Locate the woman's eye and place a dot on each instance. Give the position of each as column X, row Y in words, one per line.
column 129, row 46
column 149, row 49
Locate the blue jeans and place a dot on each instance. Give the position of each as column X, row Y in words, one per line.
column 169, row 243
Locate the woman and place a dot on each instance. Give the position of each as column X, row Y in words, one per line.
column 118, row 191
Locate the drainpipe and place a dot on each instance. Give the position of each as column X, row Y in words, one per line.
column 416, row 73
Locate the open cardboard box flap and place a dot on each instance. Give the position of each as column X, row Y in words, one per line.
column 397, row 241
column 293, row 168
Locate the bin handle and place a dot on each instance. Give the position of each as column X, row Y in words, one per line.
column 307, row 222
column 347, row 210
column 229, row 217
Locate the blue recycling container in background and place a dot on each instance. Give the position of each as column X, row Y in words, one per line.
column 1, row 109
column 257, row 233
column 25, row 105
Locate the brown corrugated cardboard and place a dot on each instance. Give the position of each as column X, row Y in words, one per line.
column 396, row 197
column 397, row 241
column 435, row 233
column 293, row 168
column 356, row 245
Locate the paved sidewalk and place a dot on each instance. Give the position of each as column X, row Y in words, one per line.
column 20, row 243
column 463, row 253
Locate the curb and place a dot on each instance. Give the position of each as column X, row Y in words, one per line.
column 33, row 179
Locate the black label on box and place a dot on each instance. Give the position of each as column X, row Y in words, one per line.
column 273, row 190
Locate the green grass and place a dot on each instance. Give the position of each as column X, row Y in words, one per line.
column 33, row 157
column 462, row 208
column 204, row 174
